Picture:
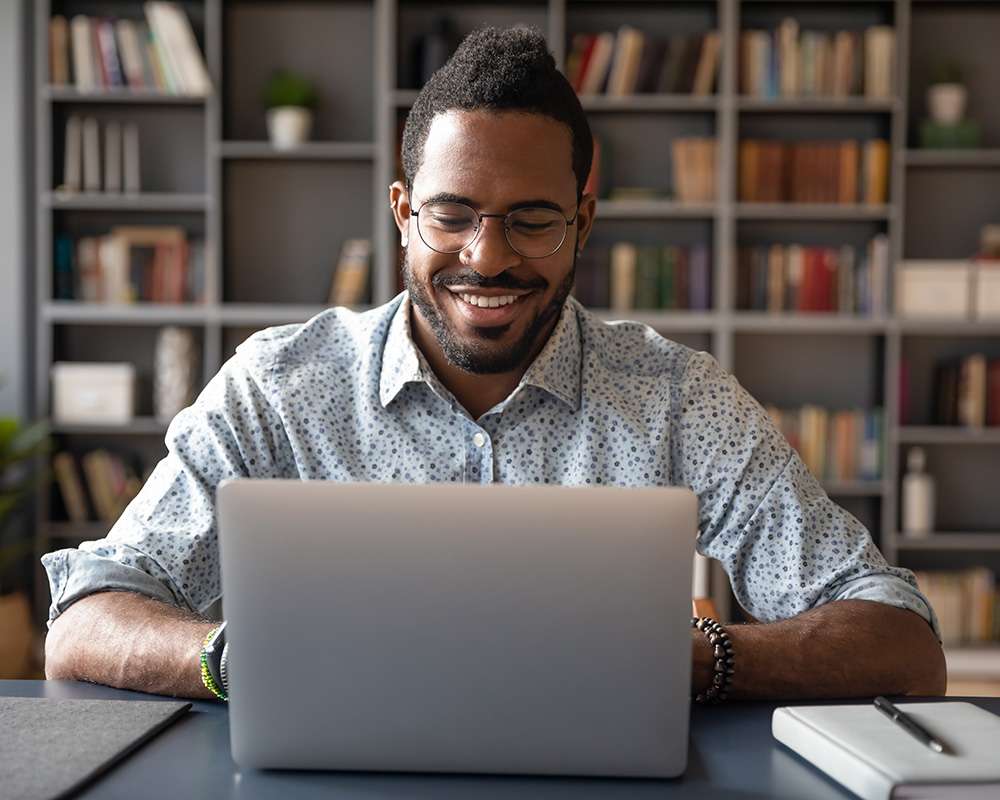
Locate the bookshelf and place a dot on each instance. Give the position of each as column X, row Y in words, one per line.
column 272, row 222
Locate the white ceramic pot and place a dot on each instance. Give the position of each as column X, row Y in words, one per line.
column 288, row 126
column 946, row 102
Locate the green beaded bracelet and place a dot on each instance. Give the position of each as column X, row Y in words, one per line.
column 206, row 674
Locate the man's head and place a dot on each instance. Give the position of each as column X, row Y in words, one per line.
column 497, row 131
column 498, row 70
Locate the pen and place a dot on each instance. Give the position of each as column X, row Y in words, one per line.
column 906, row 722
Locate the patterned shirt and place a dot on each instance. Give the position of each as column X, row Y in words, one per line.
column 348, row 397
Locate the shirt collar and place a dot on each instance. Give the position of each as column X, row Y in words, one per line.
column 556, row 369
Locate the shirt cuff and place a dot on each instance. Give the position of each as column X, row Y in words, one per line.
column 74, row 574
column 891, row 590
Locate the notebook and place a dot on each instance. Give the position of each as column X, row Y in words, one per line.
column 865, row 751
column 458, row 628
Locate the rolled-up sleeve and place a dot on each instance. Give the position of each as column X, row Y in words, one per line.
column 786, row 546
column 165, row 544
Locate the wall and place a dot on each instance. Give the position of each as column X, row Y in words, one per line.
column 15, row 73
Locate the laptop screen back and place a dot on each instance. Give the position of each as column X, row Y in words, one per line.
column 458, row 628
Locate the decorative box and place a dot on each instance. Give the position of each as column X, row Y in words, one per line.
column 93, row 393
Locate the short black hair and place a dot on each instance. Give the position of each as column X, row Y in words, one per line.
column 499, row 69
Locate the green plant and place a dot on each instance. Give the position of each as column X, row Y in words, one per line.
column 287, row 88
column 945, row 71
column 20, row 447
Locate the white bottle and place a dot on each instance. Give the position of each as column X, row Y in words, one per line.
column 918, row 495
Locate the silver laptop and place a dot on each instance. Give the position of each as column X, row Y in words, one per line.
column 458, row 628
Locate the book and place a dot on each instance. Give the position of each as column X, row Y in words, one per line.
column 879, row 61
column 875, row 168
column 173, row 30
column 81, row 46
column 113, row 156
column 971, row 399
column 70, row 486
column 597, row 65
column 59, row 64
column 108, row 50
column 708, row 64
column 624, row 68
column 130, row 53
column 91, row 155
column 993, row 392
column 350, row 276
column 862, row 749
column 73, row 156
column 131, row 176
column 623, row 276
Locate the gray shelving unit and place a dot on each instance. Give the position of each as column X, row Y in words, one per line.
column 273, row 222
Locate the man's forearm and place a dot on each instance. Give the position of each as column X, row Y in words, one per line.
column 848, row 648
column 128, row 641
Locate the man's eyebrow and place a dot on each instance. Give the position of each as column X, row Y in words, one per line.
column 447, row 197
column 450, row 197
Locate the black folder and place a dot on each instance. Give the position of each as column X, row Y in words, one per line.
column 49, row 748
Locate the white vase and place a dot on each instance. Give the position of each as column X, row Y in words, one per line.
column 288, row 126
column 946, row 102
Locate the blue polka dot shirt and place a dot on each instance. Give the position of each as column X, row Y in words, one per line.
column 347, row 397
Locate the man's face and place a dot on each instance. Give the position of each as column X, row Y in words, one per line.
column 488, row 309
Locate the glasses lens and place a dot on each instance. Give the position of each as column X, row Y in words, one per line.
column 447, row 227
column 536, row 232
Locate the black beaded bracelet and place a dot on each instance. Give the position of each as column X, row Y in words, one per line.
column 722, row 649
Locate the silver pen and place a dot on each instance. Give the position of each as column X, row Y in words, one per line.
column 907, row 723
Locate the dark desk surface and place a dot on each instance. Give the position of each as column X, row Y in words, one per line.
column 732, row 755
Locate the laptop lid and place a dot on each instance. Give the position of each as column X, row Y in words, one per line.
column 457, row 627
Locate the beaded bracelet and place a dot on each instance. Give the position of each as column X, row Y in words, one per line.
column 206, row 674
column 722, row 649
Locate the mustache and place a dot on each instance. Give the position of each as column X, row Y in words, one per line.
column 472, row 278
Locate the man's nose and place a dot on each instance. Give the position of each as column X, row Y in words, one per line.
column 490, row 253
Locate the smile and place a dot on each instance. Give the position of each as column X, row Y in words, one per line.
column 494, row 301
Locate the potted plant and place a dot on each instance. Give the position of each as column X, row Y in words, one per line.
column 20, row 447
column 291, row 100
column 946, row 94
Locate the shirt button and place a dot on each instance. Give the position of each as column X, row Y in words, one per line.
column 479, row 440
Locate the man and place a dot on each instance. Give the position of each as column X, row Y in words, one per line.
column 486, row 371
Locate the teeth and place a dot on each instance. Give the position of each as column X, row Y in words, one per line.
column 488, row 302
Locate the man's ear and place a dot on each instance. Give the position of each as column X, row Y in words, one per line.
column 584, row 219
column 399, row 199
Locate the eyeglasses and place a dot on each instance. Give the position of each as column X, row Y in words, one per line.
column 531, row 232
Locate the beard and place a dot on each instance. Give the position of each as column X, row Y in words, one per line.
column 482, row 353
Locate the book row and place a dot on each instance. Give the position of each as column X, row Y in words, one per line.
column 968, row 391
column 627, row 276
column 805, row 278
column 100, row 163
column 129, row 264
column 159, row 53
column 789, row 62
column 837, row 445
column 96, row 485
column 846, row 171
column 629, row 61
column 966, row 603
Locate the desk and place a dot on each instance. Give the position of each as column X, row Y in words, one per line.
column 732, row 755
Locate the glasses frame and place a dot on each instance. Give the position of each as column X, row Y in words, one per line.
column 505, row 226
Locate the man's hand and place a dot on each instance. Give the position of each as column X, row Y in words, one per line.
column 847, row 648
column 131, row 642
